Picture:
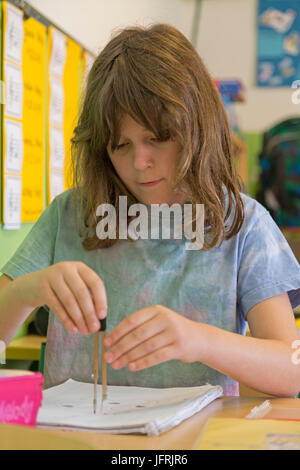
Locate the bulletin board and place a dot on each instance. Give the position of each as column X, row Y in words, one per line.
column 68, row 67
column 43, row 70
column 278, row 43
column 12, row 116
column 23, row 120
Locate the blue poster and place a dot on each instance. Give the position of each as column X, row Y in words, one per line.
column 278, row 43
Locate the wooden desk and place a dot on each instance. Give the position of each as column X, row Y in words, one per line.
column 185, row 436
column 27, row 348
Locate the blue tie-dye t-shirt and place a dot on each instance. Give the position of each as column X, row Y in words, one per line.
column 217, row 287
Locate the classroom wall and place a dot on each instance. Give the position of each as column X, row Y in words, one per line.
column 226, row 41
column 92, row 21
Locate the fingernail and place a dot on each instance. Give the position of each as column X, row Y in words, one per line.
column 102, row 313
column 95, row 325
column 108, row 357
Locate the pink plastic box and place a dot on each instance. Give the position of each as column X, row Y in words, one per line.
column 20, row 396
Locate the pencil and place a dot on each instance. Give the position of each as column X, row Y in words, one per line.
column 96, row 355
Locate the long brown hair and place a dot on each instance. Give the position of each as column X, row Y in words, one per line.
column 155, row 75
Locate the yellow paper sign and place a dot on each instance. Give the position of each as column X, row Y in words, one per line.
column 33, row 119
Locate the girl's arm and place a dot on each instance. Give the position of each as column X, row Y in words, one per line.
column 13, row 312
column 265, row 361
column 157, row 334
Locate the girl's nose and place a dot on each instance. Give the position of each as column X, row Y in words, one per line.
column 142, row 157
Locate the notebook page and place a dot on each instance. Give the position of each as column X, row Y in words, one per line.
column 142, row 409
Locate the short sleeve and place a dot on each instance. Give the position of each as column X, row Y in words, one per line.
column 37, row 249
column 267, row 265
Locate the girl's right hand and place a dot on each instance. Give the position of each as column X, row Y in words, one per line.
column 72, row 290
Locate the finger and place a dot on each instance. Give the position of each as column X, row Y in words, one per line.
column 67, row 299
column 130, row 323
column 96, row 286
column 134, row 338
column 84, row 299
column 60, row 312
column 144, row 349
column 157, row 357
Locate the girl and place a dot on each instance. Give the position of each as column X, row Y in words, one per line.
column 153, row 128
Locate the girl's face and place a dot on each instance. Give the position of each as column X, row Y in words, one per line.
column 140, row 158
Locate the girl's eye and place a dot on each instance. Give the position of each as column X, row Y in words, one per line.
column 159, row 140
column 120, row 146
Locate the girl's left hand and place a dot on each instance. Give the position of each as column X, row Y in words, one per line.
column 153, row 335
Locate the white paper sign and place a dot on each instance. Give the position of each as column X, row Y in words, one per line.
column 13, row 90
column 57, row 183
column 58, row 53
column 12, row 202
column 57, row 149
column 14, row 148
column 14, row 34
column 56, row 102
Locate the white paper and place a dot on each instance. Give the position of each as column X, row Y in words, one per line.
column 14, row 148
column 57, row 183
column 260, row 411
column 13, row 90
column 12, row 202
column 57, row 148
column 56, row 102
column 127, row 409
column 14, row 34
column 58, row 53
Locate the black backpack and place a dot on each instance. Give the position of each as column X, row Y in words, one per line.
column 279, row 182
